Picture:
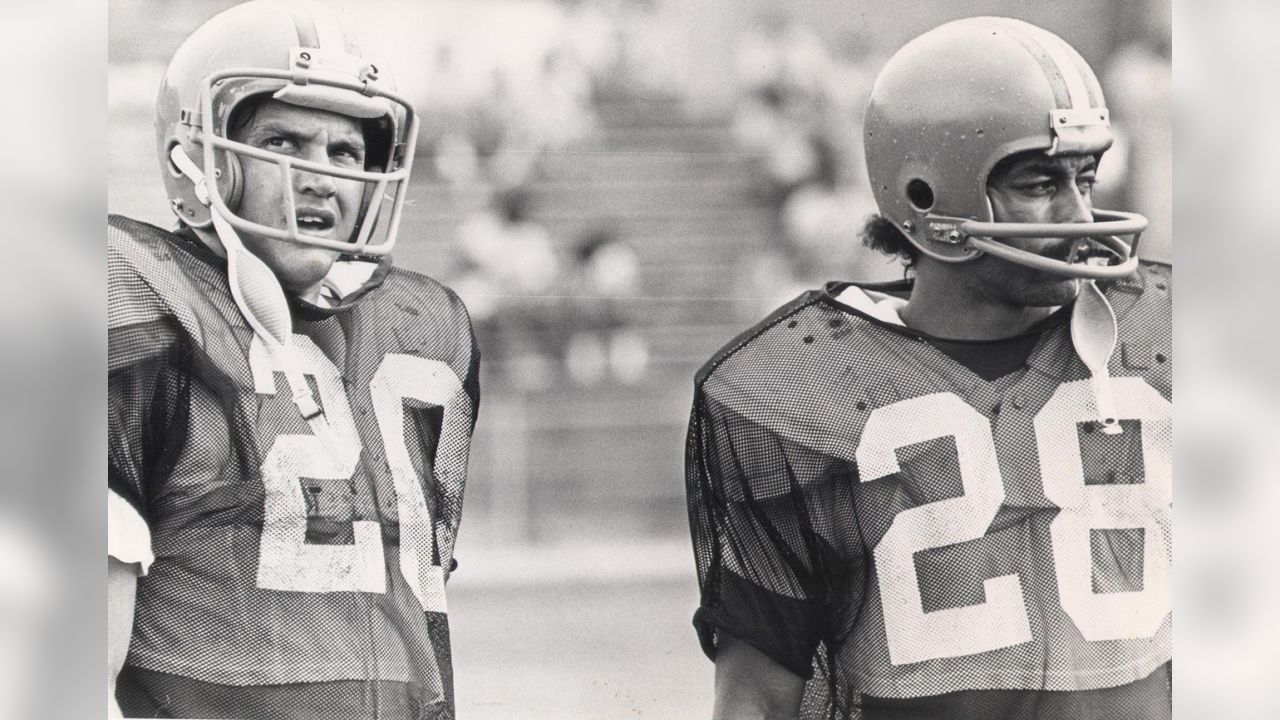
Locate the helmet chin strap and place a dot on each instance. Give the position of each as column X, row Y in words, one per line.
column 261, row 300
column 1093, row 333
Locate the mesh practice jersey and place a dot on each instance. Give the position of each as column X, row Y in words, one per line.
column 290, row 579
column 918, row 542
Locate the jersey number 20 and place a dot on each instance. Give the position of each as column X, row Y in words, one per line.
column 1001, row 621
column 286, row 560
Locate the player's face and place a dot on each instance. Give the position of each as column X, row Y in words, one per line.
column 1033, row 187
column 325, row 206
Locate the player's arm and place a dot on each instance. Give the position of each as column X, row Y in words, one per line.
column 129, row 551
column 751, row 686
column 765, row 576
column 122, row 584
column 128, row 556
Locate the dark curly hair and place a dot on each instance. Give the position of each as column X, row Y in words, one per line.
column 880, row 233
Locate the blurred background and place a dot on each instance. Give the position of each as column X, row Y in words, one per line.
column 617, row 188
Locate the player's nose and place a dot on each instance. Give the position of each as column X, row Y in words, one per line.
column 1074, row 205
column 315, row 183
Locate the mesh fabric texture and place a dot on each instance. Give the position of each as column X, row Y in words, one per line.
column 877, row 518
column 206, row 443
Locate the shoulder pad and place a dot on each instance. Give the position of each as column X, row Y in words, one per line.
column 427, row 318
column 786, row 373
column 158, row 292
column 742, row 339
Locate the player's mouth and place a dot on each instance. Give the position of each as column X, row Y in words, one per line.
column 315, row 221
column 1084, row 250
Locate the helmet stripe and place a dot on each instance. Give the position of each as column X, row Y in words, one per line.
column 1060, row 54
column 1090, row 81
column 1072, row 87
column 1016, row 30
column 329, row 32
column 306, row 29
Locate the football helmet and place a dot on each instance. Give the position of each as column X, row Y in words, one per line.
column 954, row 102
column 303, row 55
column 300, row 54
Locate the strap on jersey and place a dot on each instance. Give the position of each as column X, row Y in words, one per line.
column 258, row 295
column 1093, row 333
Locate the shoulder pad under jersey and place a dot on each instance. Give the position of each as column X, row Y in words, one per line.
column 798, row 373
column 159, row 288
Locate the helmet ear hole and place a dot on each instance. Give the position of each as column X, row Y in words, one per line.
column 920, row 194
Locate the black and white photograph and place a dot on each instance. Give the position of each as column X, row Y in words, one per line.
column 595, row 359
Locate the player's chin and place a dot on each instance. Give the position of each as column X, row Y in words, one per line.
column 305, row 266
column 1047, row 290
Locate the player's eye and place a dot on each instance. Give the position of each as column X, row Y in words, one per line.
column 278, row 143
column 1038, row 186
column 347, row 155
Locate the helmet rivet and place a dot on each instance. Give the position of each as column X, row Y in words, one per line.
column 217, row 172
column 176, row 203
column 954, row 236
column 305, row 56
column 1062, row 118
column 908, row 226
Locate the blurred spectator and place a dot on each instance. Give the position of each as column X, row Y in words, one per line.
column 499, row 102
column 800, row 116
column 602, row 341
column 508, row 277
column 822, row 221
column 781, row 73
column 1139, row 84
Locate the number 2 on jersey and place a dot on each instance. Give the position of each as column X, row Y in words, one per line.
column 1001, row 620
column 286, row 560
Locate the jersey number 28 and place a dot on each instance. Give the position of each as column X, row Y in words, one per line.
column 1001, row 621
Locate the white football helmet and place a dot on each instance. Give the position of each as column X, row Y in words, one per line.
column 300, row 54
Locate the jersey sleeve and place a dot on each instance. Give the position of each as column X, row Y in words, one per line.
column 145, row 391
column 769, row 570
column 429, row 320
column 449, row 495
column 144, row 396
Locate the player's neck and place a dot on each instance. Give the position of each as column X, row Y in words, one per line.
column 942, row 307
column 211, row 241
column 311, row 294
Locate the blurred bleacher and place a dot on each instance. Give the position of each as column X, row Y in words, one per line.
column 606, row 461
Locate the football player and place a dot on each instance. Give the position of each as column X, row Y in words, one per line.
column 949, row 497
column 289, row 416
